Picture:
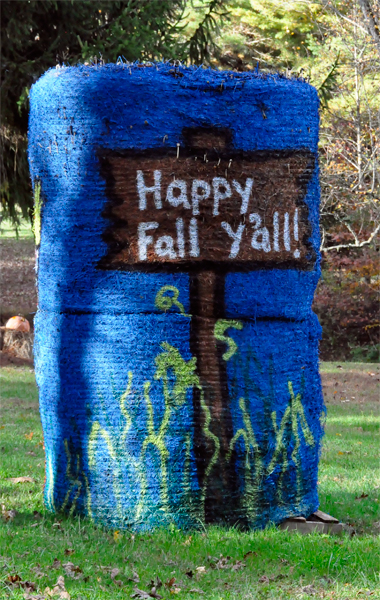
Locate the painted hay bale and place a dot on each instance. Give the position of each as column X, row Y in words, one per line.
column 176, row 350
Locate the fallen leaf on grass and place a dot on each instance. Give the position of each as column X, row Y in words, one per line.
column 114, row 573
column 38, row 572
column 8, row 515
column 13, row 578
column 263, row 579
column 73, row 571
column 188, row 541
column 156, row 583
column 21, row 480
column 29, row 436
column 361, row 497
column 141, row 594
column 58, row 590
column 16, row 581
column 201, row 569
column 309, row 589
column 60, row 583
column 69, row 551
column 105, row 569
column 28, row 596
column 196, row 591
column 249, row 553
column 56, row 564
column 172, row 586
column 189, row 573
column 135, row 577
column 225, row 562
column 238, row 565
column 222, row 563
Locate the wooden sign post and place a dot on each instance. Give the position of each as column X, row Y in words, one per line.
column 207, row 209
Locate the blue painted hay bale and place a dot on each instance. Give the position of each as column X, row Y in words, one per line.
column 176, row 349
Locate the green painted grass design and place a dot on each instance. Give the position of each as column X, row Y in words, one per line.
column 177, row 377
column 37, row 211
column 174, row 393
column 73, row 477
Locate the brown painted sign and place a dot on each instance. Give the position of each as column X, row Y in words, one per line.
column 190, row 209
column 207, row 210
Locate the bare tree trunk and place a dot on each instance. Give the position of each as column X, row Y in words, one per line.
column 358, row 116
column 371, row 20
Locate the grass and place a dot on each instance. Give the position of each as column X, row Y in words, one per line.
column 351, row 452
column 278, row 565
column 22, row 232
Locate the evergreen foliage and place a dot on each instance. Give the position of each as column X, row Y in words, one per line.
column 38, row 35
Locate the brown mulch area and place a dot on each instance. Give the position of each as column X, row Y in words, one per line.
column 18, row 292
column 8, row 360
column 353, row 385
column 18, row 295
column 348, row 385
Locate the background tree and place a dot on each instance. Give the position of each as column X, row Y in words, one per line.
column 37, row 35
column 334, row 44
column 347, row 299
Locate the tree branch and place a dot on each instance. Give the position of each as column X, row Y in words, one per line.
column 357, row 244
column 371, row 23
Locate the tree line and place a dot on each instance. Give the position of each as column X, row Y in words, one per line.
column 334, row 44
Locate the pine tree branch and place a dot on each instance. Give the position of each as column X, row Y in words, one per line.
column 201, row 40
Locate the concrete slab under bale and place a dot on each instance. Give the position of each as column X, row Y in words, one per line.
column 317, row 522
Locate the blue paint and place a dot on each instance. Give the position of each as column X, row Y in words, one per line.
column 94, row 327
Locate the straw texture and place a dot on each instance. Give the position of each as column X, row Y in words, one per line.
column 178, row 380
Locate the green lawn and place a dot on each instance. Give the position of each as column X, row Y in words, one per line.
column 9, row 231
column 264, row 564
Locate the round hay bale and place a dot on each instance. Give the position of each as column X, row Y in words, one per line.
column 176, row 348
column 18, row 343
